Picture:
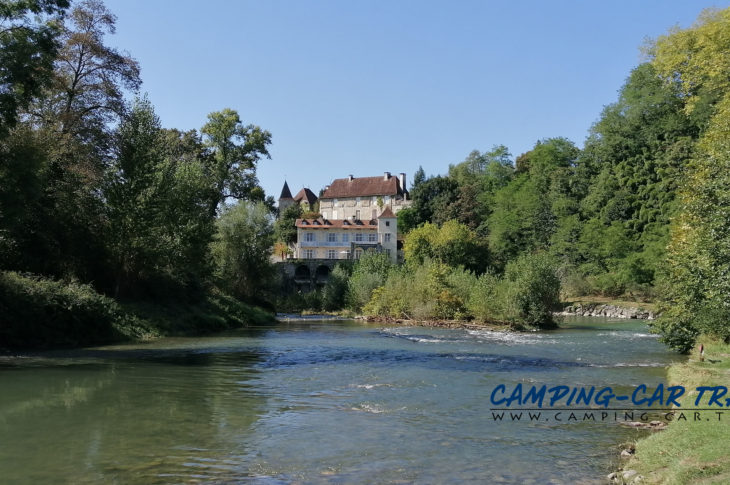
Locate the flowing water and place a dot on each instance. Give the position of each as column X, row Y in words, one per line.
column 317, row 402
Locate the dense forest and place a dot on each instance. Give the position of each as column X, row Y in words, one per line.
column 640, row 212
column 108, row 221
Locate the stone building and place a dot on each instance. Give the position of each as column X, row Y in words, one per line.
column 363, row 198
column 347, row 238
column 305, row 198
column 358, row 214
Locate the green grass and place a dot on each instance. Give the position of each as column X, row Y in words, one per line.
column 691, row 452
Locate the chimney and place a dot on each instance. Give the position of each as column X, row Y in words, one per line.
column 402, row 178
column 386, row 176
column 349, row 177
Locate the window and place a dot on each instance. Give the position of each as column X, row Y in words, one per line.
column 387, row 251
column 375, row 214
column 331, row 254
column 358, row 253
column 345, row 238
column 386, row 237
column 334, row 215
column 309, row 237
column 334, row 203
column 358, row 237
column 308, row 254
column 357, row 215
column 357, row 200
column 331, row 237
column 372, row 237
column 387, row 223
column 386, row 198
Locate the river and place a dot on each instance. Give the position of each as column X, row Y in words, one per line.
column 318, row 402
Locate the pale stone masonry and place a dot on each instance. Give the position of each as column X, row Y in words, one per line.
column 358, row 215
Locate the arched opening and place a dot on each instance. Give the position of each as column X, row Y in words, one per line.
column 358, row 253
column 322, row 273
column 302, row 272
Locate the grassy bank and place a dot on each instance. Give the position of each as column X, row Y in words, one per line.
column 691, row 451
column 42, row 313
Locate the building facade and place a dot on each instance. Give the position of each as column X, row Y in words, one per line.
column 363, row 198
column 347, row 239
column 358, row 214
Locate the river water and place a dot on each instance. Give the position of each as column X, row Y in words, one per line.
column 318, row 402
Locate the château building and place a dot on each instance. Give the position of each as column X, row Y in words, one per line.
column 358, row 214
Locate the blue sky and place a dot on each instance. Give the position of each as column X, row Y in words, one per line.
column 368, row 86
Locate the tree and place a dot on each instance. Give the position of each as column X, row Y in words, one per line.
column 28, row 46
column 431, row 197
column 698, row 256
column 236, row 151
column 241, row 249
column 370, row 272
column 453, row 244
column 285, row 229
column 418, row 178
column 87, row 93
column 157, row 197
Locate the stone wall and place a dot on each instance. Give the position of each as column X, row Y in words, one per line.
column 606, row 310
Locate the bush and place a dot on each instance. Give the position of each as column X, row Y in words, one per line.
column 573, row 282
column 41, row 313
column 335, row 291
column 676, row 330
column 483, row 303
column 370, row 272
column 38, row 312
column 530, row 291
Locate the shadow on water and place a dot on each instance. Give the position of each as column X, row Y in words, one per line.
column 144, row 413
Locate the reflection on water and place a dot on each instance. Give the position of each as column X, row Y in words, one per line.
column 315, row 402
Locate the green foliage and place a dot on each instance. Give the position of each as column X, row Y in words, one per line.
column 526, row 295
column 426, row 291
column 157, row 208
column 532, row 287
column 430, row 198
column 698, row 256
column 241, row 250
column 39, row 312
column 236, row 151
column 334, row 292
column 285, row 229
column 369, row 272
column 29, row 33
column 453, row 244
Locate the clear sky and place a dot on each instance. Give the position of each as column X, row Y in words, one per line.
column 367, row 86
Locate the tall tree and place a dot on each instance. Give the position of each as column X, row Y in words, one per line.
column 90, row 77
column 242, row 249
column 699, row 252
column 236, row 151
column 28, row 46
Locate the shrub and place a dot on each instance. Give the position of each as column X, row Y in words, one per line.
column 370, row 272
column 335, row 291
column 530, row 290
column 38, row 312
column 676, row 329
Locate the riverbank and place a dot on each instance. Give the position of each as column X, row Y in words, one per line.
column 469, row 325
column 607, row 307
column 691, row 450
column 39, row 313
